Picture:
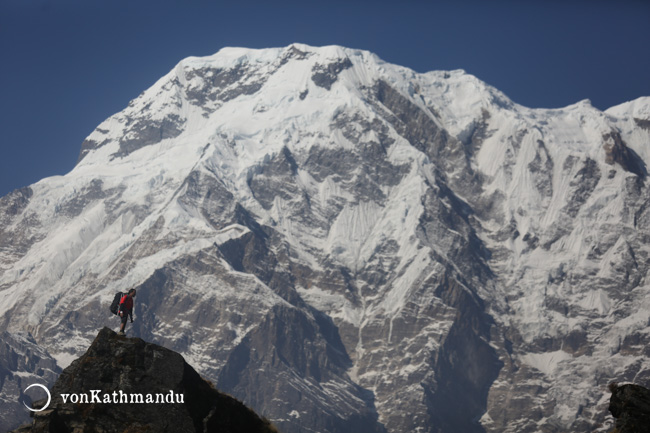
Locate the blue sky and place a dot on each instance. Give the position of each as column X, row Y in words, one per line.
column 69, row 64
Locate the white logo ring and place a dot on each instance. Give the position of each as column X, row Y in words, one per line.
column 49, row 397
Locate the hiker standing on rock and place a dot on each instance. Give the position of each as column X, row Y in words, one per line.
column 126, row 309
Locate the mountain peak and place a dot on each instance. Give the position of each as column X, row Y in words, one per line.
column 377, row 240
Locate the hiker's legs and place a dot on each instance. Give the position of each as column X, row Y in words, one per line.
column 123, row 325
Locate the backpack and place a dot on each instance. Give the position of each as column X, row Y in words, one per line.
column 115, row 305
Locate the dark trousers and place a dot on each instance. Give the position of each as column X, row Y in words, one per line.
column 123, row 321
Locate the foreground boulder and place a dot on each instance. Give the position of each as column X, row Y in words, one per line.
column 126, row 384
column 630, row 405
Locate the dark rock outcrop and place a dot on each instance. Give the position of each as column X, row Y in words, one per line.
column 630, row 405
column 326, row 75
column 92, row 394
column 618, row 152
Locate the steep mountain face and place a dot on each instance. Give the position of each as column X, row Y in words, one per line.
column 22, row 363
column 349, row 246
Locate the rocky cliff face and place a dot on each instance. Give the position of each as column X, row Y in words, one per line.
column 126, row 384
column 347, row 245
column 22, row 363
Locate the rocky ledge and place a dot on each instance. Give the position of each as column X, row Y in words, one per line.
column 128, row 385
column 630, row 405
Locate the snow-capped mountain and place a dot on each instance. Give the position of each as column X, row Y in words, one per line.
column 347, row 245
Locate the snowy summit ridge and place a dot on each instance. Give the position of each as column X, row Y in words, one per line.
column 348, row 245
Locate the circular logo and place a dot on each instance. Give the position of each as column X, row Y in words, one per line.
column 49, row 397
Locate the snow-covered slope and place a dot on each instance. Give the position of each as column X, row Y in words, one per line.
column 350, row 246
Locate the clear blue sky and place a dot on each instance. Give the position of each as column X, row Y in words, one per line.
column 69, row 64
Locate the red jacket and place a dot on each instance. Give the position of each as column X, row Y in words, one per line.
column 126, row 304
